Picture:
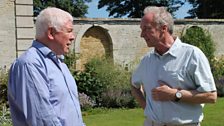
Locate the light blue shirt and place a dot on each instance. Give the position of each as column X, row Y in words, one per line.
column 42, row 91
column 183, row 66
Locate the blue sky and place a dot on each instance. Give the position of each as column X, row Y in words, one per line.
column 93, row 12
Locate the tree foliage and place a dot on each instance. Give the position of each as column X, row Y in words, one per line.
column 77, row 8
column 134, row 8
column 206, row 9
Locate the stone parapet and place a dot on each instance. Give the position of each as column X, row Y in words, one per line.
column 24, row 25
column 24, row 10
column 24, row 22
column 118, row 37
column 7, row 33
column 26, row 2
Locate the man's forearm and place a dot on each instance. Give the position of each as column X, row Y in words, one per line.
column 138, row 94
column 196, row 97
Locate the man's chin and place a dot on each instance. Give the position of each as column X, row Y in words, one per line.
column 66, row 52
column 149, row 45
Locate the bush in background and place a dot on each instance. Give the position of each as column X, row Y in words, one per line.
column 218, row 73
column 3, row 85
column 89, row 84
column 106, row 83
column 117, row 80
column 70, row 61
column 85, row 101
column 5, row 118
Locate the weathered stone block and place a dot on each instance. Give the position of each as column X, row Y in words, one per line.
column 24, row 1
column 24, row 22
column 24, row 44
column 24, row 10
column 25, row 33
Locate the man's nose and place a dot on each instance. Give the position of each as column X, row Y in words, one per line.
column 72, row 36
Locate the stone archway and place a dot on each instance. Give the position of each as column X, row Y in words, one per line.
column 95, row 42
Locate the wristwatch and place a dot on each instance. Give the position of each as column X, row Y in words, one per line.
column 178, row 96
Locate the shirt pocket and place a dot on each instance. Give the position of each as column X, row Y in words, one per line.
column 174, row 79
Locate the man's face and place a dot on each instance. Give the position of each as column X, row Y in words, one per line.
column 63, row 39
column 150, row 32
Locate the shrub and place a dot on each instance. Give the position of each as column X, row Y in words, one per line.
column 218, row 72
column 3, row 85
column 85, row 101
column 116, row 81
column 5, row 118
column 106, row 83
column 89, row 84
column 70, row 61
column 4, row 110
column 116, row 98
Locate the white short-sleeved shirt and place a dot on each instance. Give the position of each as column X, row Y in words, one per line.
column 182, row 66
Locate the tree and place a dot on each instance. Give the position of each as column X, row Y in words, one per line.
column 206, row 9
column 134, row 8
column 77, row 8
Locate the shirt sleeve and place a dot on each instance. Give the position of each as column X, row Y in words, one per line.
column 136, row 78
column 202, row 74
column 28, row 85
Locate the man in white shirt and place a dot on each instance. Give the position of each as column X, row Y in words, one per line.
column 176, row 76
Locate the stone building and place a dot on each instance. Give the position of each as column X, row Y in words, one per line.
column 118, row 38
column 16, row 29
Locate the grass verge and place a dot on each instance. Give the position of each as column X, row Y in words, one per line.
column 213, row 116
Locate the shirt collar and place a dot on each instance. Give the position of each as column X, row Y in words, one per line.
column 173, row 49
column 42, row 48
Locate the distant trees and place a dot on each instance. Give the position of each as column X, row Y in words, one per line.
column 206, row 9
column 77, row 8
column 134, row 8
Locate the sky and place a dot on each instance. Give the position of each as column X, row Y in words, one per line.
column 93, row 12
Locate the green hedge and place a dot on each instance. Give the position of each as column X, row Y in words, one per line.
column 106, row 83
column 5, row 119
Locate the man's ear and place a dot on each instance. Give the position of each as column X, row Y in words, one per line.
column 164, row 28
column 50, row 33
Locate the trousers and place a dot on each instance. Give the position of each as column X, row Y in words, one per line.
column 149, row 122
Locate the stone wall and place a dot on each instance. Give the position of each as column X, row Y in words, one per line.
column 16, row 29
column 7, row 32
column 114, row 37
column 24, row 24
column 124, row 36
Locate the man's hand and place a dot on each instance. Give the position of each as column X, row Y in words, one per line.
column 164, row 92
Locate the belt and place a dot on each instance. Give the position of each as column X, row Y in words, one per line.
column 149, row 122
column 188, row 124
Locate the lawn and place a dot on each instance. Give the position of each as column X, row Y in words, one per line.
column 214, row 116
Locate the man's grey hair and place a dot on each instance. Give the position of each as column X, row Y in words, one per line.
column 51, row 17
column 161, row 17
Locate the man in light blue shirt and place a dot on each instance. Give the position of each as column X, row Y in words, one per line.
column 41, row 90
column 176, row 77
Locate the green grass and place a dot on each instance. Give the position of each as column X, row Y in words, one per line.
column 214, row 115
column 115, row 117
